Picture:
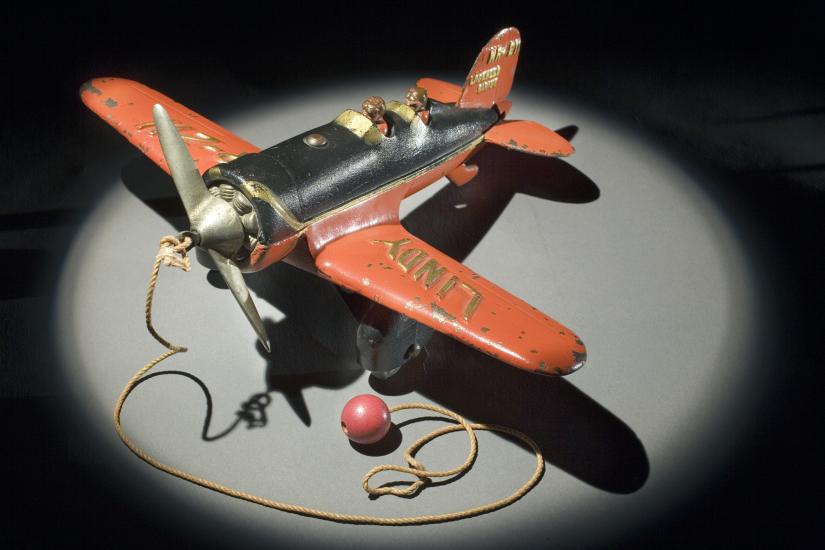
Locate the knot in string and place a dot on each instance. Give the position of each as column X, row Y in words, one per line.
column 173, row 252
column 416, row 468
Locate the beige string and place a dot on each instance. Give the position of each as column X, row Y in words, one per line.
column 173, row 252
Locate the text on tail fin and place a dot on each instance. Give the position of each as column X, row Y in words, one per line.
column 491, row 77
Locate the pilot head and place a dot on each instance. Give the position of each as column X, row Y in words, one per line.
column 373, row 108
column 416, row 98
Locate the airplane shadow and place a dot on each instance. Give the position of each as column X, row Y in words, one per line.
column 576, row 434
column 314, row 344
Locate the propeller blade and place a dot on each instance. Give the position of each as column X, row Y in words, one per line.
column 235, row 281
column 218, row 226
column 188, row 181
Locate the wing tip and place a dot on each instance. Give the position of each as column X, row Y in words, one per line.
column 528, row 136
column 102, row 85
column 580, row 358
column 95, row 85
column 89, row 88
column 99, row 94
column 565, row 151
column 577, row 360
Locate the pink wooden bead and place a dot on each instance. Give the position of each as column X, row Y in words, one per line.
column 365, row 419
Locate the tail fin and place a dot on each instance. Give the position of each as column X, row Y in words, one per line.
column 491, row 77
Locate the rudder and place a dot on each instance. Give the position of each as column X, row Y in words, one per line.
column 491, row 77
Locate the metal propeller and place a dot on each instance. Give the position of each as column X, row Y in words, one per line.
column 215, row 224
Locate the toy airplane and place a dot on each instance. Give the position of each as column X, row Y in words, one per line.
column 329, row 199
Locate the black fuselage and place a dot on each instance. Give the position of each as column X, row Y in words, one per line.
column 311, row 181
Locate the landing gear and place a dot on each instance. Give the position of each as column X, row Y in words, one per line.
column 387, row 340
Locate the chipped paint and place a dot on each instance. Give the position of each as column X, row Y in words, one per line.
column 485, row 329
column 110, row 103
column 440, row 313
column 89, row 87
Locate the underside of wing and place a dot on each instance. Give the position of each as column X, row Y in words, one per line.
column 387, row 264
column 528, row 137
column 127, row 106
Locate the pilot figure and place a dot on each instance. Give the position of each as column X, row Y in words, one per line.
column 373, row 108
column 417, row 99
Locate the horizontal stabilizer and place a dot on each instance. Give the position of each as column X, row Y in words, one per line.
column 441, row 91
column 529, row 137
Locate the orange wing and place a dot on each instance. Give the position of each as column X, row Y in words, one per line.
column 392, row 267
column 127, row 107
column 529, row 137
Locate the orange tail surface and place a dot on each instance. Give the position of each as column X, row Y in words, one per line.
column 491, row 77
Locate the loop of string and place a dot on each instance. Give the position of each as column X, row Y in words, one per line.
column 173, row 253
